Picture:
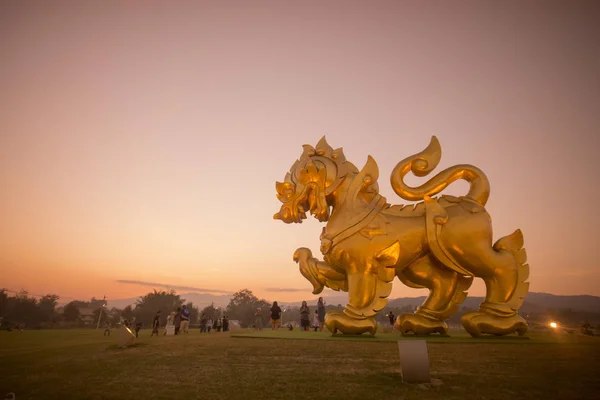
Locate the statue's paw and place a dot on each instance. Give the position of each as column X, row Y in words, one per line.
column 420, row 325
column 308, row 269
column 302, row 254
column 338, row 321
column 478, row 323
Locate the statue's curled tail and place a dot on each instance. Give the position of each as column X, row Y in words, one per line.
column 423, row 163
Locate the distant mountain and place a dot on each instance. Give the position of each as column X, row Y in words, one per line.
column 576, row 303
column 533, row 302
column 202, row 300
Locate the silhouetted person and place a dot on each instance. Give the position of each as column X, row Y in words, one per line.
column 185, row 319
column 316, row 323
column 304, row 316
column 177, row 320
column 258, row 322
column 321, row 311
column 275, row 316
column 155, row 323
column 203, row 323
column 225, row 324
column 169, row 325
column 392, row 318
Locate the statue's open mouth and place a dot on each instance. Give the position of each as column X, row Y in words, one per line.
column 311, row 199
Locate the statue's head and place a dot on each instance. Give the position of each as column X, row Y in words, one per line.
column 310, row 183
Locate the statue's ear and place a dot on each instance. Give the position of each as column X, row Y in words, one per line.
column 370, row 172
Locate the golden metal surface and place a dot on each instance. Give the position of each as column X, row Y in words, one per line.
column 439, row 243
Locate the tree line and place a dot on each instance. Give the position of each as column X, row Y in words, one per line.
column 31, row 312
column 37, row 312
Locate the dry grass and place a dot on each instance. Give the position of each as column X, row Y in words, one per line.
column 85, row 365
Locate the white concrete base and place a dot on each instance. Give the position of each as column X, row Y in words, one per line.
column 414, row 361
column 126, row 336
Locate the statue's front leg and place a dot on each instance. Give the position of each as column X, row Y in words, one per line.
column 368, row 286
column 358, row 316
column 319, row 273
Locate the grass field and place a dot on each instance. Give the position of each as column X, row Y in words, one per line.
column 83, row 364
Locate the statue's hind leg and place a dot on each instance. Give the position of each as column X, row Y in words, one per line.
column 447, row 289
column 504, row 272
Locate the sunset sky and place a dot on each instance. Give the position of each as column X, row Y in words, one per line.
column 142, row 143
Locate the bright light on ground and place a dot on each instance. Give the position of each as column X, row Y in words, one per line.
column 553, row 325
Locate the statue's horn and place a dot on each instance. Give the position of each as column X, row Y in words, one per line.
column 280, row 187
column 277, row 216
column 323, row 148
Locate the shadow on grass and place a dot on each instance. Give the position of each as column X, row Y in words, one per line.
column 116, row 347
column 453, row 338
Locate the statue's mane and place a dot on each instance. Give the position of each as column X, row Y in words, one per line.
column 323, row 156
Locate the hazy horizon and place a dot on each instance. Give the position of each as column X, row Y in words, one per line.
column 312, row 299
column 141, row 143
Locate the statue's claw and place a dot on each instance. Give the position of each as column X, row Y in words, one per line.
column 308, row 269
column 420, row 325
column 338, row 321
column 478, row 323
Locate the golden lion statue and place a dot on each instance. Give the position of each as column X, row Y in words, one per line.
column 439, row 243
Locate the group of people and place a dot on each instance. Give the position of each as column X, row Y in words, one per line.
column 207, row 323
column 178, row 322
column 318, row 316
column 318, row 320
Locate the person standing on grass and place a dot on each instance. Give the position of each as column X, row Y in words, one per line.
column 209, row 324
column 321, row 311
column 316, row 321
column 275, row 316
column 177, row 320
column 185, row 319
column 107, row 329
column 203, row 323
column 392, row 318
column 258, row 322
column 304, row 316
column 225, row 323
column 155, row 324
column 170, row 318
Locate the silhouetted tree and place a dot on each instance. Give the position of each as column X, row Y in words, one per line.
column 114, row 315
column 23, row 309
column 3, row 303
column 211, row 311
column 47, row 306
column 243, row 305
column 71, row 312
column 127, row 313
column 148, row 305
